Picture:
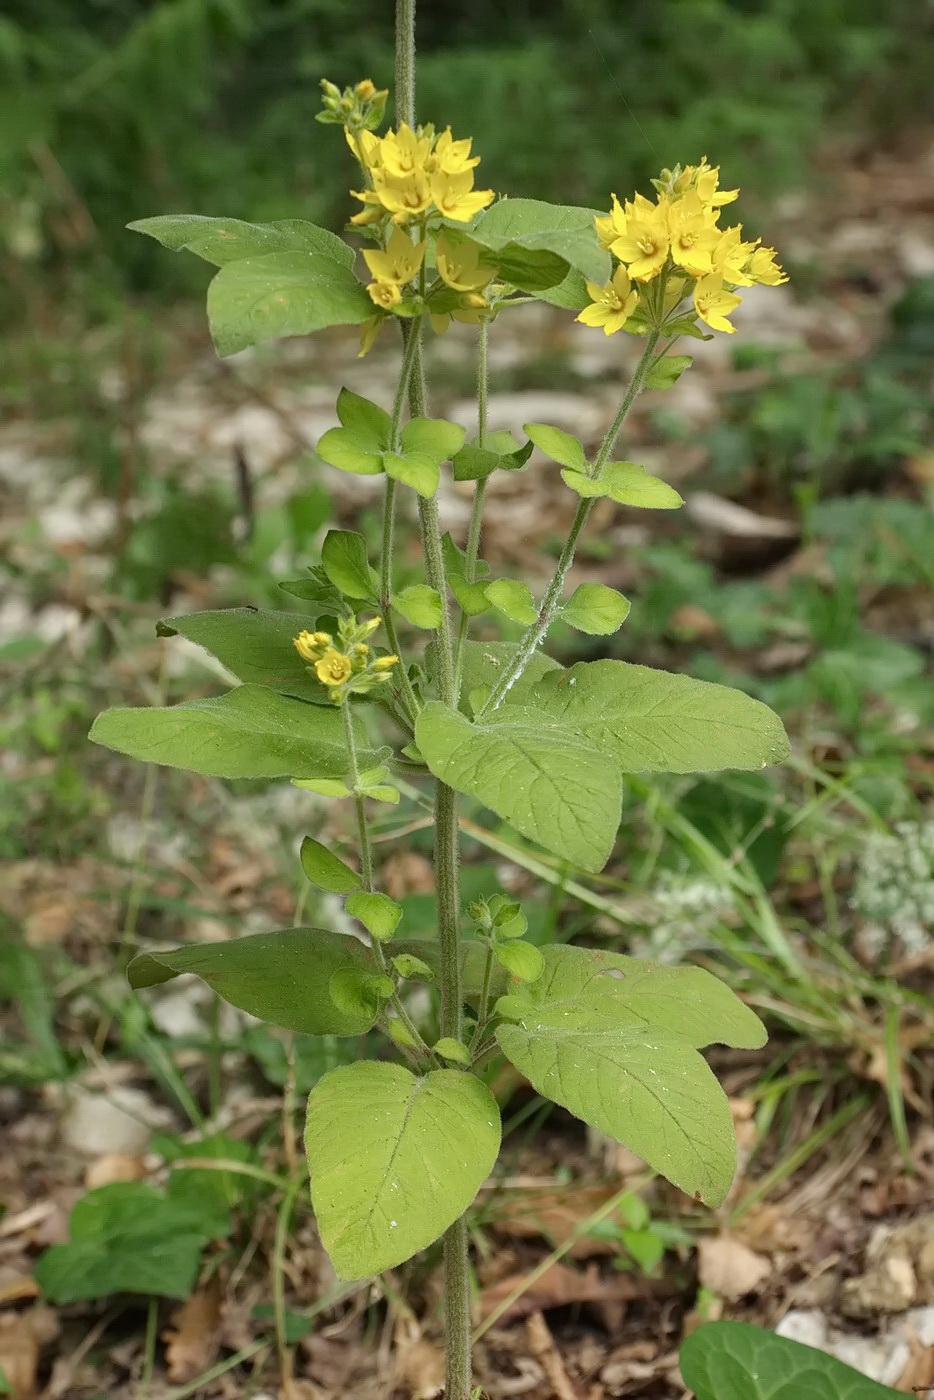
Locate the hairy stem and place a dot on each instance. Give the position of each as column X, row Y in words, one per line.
column 407, row 697
column 479, row 497
column 366, row 855
column 538, row 630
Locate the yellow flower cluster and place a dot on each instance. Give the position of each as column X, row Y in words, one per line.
column 414, row 173
column 343, row 671
column 678, row 239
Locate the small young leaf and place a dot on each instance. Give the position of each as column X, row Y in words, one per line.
column 317, row 589
column 667, row 371
column 382, row 793
column 583, row 485
column 522, row 960
column 349, row 452
column 357, row 993
column 737, row 1361
column 326, row 870
column 343, row 555
column 280, row 977
column 278, row 294
column 434, row 437
column 324, row 787
column 512, row 598
column 515, row 927
column 450, row 1049
column 595, row 609
column 400, row 1033
column 503, row 910
column 631, row 486
column 369, row 422
column 415, row 469
column 470, row 596
column 474, row 463
column 408, row 965
column 378, row 914
column 420, row 605
column 557, row 445
column 395, row 1159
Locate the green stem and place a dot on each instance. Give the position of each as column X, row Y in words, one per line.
column 458, row 1376
column 483, row 1011
column 538, row 630
column 479, row 497
column 405, row 74
column 408, row 696
column 366, row 855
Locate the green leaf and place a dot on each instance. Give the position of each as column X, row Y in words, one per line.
column 415, row 469
column 325, row 870
column 365, row 419
column 343, row 555
column 650, row 1090
column 221, row 241
column 395, row 1159
column 584, row 485
column 124, row 1238
column 378, row 914
column 570, row 295
column 317, row 589
column 349, row 452
column 657, row 722
column 557, row 445
column 667, row 371
column 531, row 270
column 512, row 598
column 471, row 597
column 281, row 977
column 255, row 645
column 450, row 1049
column 611, row 989
column 522, row 960
column 261, row 298
column 324, row 787
column 409, row 965
column 250, row 732
column 514, row 225
column 474, row 463
column 484, row 662
column 359, row 994
column 552, row 785
column 736, row 1361
column 595, row 609
column 631, row 486
column 420, row 605
column 434, row 437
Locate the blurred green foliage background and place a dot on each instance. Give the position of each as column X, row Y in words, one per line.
column 117, row 109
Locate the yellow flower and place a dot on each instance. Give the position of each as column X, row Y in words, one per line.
column 692, row 238
column 713, row 303
column 365, row 89
column 611, row 226
column 384, row 294
column 731, row 256
column 644, row 242
column 704, row 179
column 398, row 263
column 762, row 267
column 334, row 668
column 450, row 156
column 310, row 645
column 612, row 305
column 369, row 330
column 459, row 265
column 404, row 152
column 455, row 196
column 404, row 196
column 371, row 214
column 384, row 663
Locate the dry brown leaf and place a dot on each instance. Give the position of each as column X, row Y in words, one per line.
column 557, row 1286
column 918, row 1375
column 542, row 1346
column 729, row 1268
column 19, row 1355
column 407, row 872
column 420, row 1365
column 555, row 1213
column 193, row 1337
column 114, row 1166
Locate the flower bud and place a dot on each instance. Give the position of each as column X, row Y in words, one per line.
column 365, row 90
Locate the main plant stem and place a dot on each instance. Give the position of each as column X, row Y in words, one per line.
column 538, row 630
column 479, row 496
column 458, row 1371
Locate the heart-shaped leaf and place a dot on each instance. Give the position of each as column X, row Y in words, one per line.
column 736, row 1361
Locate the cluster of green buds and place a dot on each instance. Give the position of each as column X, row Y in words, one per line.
column 501, row 923
column 359, row 108
column 346, row 665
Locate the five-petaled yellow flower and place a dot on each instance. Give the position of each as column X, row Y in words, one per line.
column 642, row 237
column 455, row 196
column 459, row 265
column 385, row 295
column 334, row 668
column 713, row 302
column 612, row 305
column 398, row 262
column 411, row 172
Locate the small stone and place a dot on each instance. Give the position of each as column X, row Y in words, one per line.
column 120, row 1121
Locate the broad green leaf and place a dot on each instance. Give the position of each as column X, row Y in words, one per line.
column 667, row 371
column 474, row 463
column 512, row 598
column 737, row 1361
column 529, row 269
column 522, row 960
column 343, row 556
column 612, row 990
column 250, row 732
column 512, row 225
column 254, row 644
column 281, row 977
column 548, row 782
column 595, row 609
column 221, row 241
column 420, row 605
column 261, row 298
column 557, row 445
column 435, row 437
column 630, row 485
column 471, row 597
column 349, row 452
column 484, row 662
column 395, row 1159
column 570, row 295
column 125, row 1238
column 656, row 722
column 415, row 469
column 378, row 914
column 648, row 1089
column 325, row 870
column 370, row 423
column 359, row 994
